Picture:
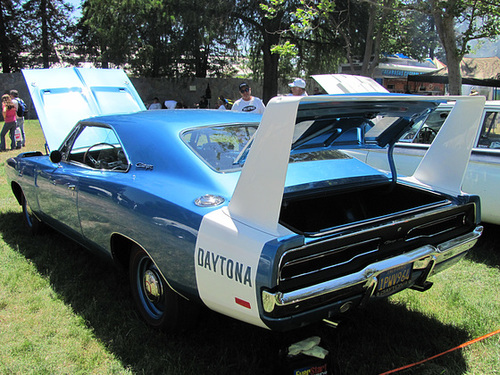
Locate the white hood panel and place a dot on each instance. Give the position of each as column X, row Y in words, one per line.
column 62, row 97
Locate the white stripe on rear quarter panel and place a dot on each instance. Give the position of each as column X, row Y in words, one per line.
column 224, row 246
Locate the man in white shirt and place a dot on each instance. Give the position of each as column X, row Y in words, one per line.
column 248, row 103
column 155, row 105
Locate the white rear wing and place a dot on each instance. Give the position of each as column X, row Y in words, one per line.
column 259, row 191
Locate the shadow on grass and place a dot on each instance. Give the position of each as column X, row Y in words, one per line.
column 380, row 338
column 487, row 249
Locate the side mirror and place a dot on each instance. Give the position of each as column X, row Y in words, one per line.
column 55, row 156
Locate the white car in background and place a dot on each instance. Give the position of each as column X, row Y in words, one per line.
column 482, row 176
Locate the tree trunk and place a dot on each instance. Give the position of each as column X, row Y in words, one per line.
column 4, row 43
column 270, row 82
column 271, row 60
column 45, row 34
column 445, row 26
column 365, row 68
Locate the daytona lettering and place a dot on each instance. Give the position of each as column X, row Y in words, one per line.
column 225, row 267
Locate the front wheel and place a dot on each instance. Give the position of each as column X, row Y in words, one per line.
column 158, row 304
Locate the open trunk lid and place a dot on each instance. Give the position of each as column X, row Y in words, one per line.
column 348, row 84
column 312, row 123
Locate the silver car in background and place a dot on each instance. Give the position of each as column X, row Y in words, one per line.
column 482, row 176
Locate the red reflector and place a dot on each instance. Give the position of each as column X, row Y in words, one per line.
column 241, row 302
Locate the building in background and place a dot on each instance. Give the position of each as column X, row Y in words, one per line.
column 392, row 72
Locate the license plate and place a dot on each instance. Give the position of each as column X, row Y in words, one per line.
column 393, row 280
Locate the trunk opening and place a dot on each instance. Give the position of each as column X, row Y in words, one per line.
column 311, row 215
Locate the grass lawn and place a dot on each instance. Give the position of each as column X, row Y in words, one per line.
column 65, row 311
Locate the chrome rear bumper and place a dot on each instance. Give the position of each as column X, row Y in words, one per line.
column 424, row 258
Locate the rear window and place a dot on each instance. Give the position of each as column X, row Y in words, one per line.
column 220, row 146
column 224, row 148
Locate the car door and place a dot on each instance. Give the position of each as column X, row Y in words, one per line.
column 483, row 173
column 57, row 188
column 102, row 172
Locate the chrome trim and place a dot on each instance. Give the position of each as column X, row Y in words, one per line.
column 325, row 254
column 209, row 200
column 353, row 233
column 421, row 211
column 435, row 222
column 368, row 276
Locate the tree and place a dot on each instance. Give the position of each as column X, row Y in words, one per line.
column 109, row 30
column 205, row 37
column 11, row 42
column 364, row 29
column 48, row 26
column 263, row 30
column 458, row 22
column 158, row 38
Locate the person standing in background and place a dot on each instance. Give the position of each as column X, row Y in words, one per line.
column 221, row 103
column 155, row 105
column 298, row 87
column 9, row 116
column 14, row 96
column 248, row 103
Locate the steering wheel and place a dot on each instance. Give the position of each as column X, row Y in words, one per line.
column 96, row 163
column 426, row 135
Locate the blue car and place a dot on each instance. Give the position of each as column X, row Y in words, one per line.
column 260, row 218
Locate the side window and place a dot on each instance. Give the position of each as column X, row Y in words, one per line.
column 99, row 148
column 490, row 132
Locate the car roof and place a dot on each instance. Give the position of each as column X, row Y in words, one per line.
column 175, row 120
column 154, row 137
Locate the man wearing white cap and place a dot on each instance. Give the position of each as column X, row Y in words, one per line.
column 298, row 87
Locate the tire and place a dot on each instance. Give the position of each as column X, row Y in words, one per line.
column 158, row 304
column 32, row 223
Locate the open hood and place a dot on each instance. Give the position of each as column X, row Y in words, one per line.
column 62, row 97
column 348, row 84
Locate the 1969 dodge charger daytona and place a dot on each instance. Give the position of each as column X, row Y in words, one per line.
column 258, row 218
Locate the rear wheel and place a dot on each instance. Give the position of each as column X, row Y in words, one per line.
column 34, row 225
column 158, row 304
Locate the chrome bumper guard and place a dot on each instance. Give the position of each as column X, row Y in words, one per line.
column 423, row 258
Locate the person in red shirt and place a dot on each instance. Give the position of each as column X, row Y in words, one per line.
column 9, row 116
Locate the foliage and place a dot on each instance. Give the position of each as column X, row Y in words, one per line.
column 326, row 33
column 262, row 32
column 11, row 44
column 47, row 31
column 458, row 22
column 276, row 39
column 158, row 37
